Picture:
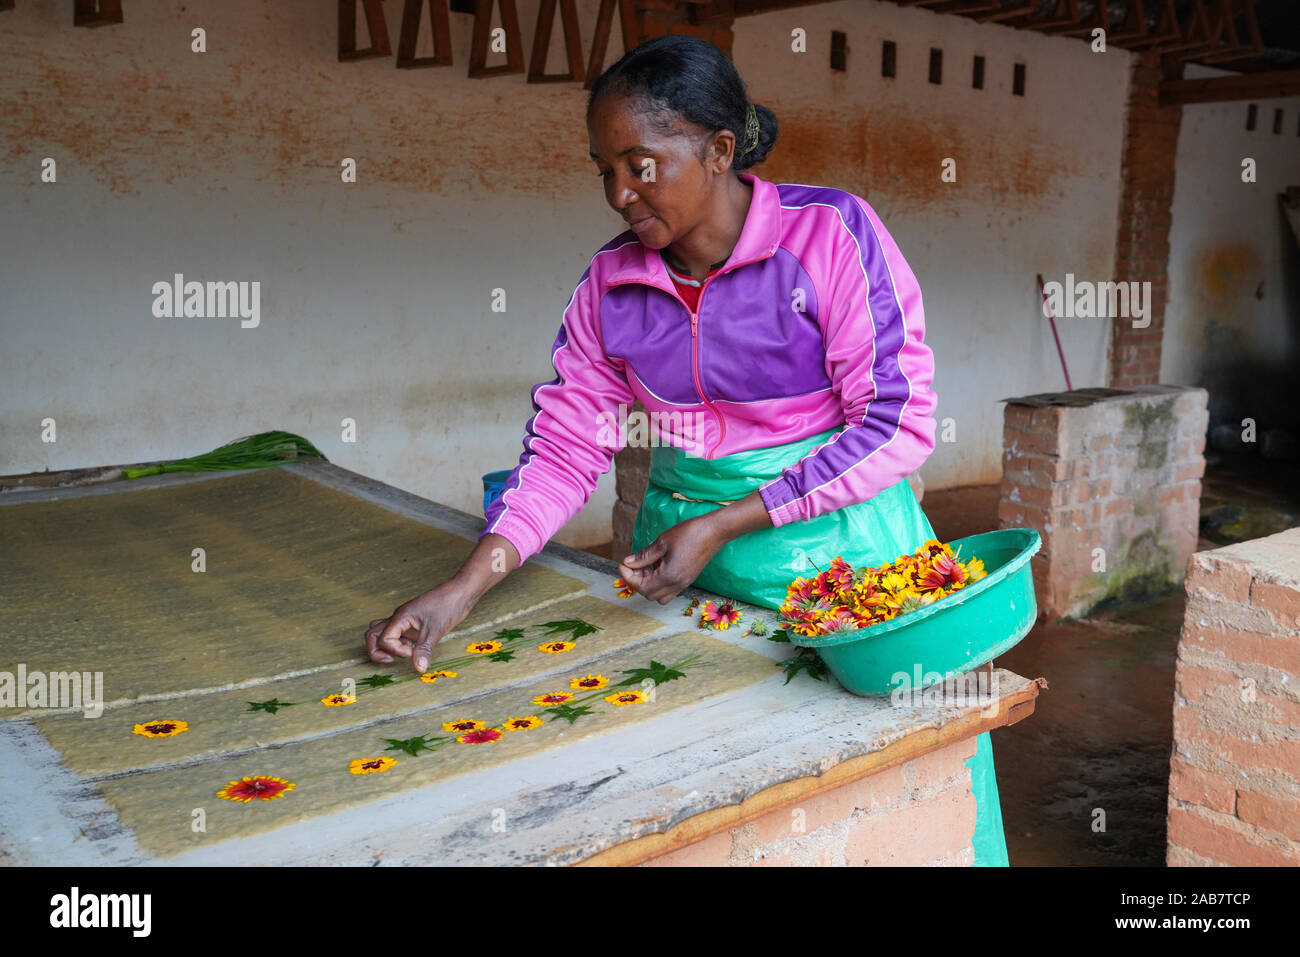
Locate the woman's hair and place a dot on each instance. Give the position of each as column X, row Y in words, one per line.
column 691, row 78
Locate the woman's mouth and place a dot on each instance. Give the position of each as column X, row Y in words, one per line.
column 641, row 225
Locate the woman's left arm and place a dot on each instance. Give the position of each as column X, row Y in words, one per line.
column 675, row 559
column 873, row 326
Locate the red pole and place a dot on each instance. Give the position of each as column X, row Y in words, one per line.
column 1043, row 292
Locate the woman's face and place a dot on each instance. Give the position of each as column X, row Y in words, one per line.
column 665, row 208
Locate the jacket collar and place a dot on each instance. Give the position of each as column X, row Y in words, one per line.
column 759, row 239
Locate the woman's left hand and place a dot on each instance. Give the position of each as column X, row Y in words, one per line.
column 672, row 561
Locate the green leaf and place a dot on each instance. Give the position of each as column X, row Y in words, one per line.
column 806, row 661
column 270, row 707
column 574, row 626
column 413, row 746
column 509, row 634
column 502, row 655
column 375, row 681
column 571, row 712
column 781, row 634
column 656, row 672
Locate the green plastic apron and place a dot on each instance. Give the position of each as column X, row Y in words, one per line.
column 756, row 568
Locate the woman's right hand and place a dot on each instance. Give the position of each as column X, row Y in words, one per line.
column 415, row 628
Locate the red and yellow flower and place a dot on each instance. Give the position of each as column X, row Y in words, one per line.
column 481, row 736
column 521, row 724
column 623, row 588
column 259, row 787
column 843, row 598
column 160, row 729
column 463, row 724
column 429, row 677
column 627, row 697
column 338, row 700
column 589, row 683
column 719, row 616
column 554, row 697
column 371, row 765
column 484, row 647
column 556, row 647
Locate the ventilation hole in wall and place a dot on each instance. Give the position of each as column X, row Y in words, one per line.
column 888, row 56
column 839, row 50
column 977, row 79
column 1018, row 80
column 1251, row 112
column 1277, row 121
column 936, row 65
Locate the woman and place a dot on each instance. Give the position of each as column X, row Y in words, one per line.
column 791, row 401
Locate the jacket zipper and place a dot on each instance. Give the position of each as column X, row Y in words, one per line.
column 695, row 368
column 695, row 341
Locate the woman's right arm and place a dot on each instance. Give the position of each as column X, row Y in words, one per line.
column 569, row 443
column 416, row 627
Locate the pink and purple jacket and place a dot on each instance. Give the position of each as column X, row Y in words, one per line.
column 814, row 322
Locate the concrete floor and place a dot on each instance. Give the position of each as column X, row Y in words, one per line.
column 1100, row 737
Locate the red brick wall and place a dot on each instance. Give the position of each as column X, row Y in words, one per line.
column 918, row 813
column 709, row 21
column 1234, row 775
column 1122, row 474
column 1142, row 246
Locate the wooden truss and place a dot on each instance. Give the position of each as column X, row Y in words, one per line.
column 89, row 13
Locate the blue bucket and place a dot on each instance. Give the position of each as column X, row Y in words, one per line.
column 494, row 484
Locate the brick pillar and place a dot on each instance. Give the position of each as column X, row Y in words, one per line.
column 1146, row 196
column 1234, row 775
column 708, row 19
column 1111, row 479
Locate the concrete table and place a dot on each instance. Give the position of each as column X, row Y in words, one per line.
column 755, row 771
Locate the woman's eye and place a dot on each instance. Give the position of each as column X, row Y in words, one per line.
column 634, row 173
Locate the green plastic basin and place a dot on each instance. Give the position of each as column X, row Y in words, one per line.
column 957, row 633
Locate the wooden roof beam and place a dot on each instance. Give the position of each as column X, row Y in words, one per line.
column 1222, row 89
column 478, row 49
column 542, row 43
column 89, row 13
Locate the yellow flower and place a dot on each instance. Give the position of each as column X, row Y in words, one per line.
column 371, row 765
column 160, row 729
column 976, row 569
column 627, row 697
column 483, row 647
column 893, row 582
column 429, row 677
column 589, row 683
column 337, row 700
column 521, row 724
column 555, row 647
column 463, row 724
